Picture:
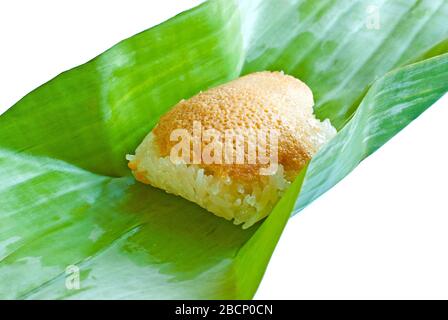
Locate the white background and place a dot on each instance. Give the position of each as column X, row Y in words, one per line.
column 381, row 233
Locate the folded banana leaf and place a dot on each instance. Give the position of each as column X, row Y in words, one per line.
column 67, row 198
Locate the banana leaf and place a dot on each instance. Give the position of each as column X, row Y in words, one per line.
column 67, row 198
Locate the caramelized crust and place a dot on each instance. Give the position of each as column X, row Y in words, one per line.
column 264, row 100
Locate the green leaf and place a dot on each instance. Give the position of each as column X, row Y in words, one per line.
column 67, row 198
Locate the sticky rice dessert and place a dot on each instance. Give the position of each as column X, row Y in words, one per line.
column 236, row 148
